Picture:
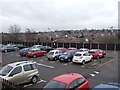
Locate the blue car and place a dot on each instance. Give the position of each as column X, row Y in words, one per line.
column 67, row 56
column 107, row 86
column 24, row 52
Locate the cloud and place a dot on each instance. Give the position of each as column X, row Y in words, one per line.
column 58, row 14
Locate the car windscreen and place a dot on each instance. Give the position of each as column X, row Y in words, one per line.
column 91, row 51
column 5, row 70
column 55, row 85
column 50, row 53
column 78, row 54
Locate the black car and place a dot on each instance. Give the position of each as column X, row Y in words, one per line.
column 67, row 56
column 47, row 48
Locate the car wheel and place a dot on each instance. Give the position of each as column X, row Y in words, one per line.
column 97, row 57
column 69, row 60
column 55, row 59
column 34, row 79
column 6, row 51
column 44, row 54
column 83, row 62
column 34, row 56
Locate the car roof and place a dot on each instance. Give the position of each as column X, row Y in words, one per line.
column 81, row 52
column 54, row 50
column 21, row 63
column 34, row 49
column 67, row 78
column 61, row 48
column 108, row 85
column 83, row 49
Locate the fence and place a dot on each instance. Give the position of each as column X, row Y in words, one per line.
column 7, row 85
column 66, row 45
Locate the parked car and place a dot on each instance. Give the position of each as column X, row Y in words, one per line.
column 54, row 54
column 24, row 52
column 35, row 52
column 20, row 46
column 97, row 53
column 8, row 48
column 83, row 50
column 70, row 81
column 20, row 72
column 72, row 48
column 37, row 47
column 67, row 56
column 82, row 57
column 107, row 86
column 62, row 49
column 47, row 48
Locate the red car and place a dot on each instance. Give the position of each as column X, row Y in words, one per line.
column 97, row 53
column 72, row 48
column 35, row 52
column 62, row 49
column 72, row 81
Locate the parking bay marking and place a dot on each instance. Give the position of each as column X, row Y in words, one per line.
column 40, row 81
column 45, row 65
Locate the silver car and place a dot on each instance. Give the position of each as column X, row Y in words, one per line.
column 20, row 72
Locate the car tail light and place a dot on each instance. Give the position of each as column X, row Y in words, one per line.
column 81, row 57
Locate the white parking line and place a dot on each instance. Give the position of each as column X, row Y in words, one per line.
column 40, row 81
column 96, row 72
column 92, row 75
column 28, row 85
column 45, row 65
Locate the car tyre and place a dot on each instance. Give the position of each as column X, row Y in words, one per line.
column 69, row 60
column 55, row 59
column 34, row 56
column 83, row 62
column 6, row 51
column 34, row 79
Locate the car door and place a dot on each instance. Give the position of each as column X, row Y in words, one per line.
column 86, row 57
column 73, row 85
column 29, row 72
column 16, row 75
column 82, row 84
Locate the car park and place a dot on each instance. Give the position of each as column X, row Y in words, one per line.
column 37, row 47
column 8, row 48
column 83, row 50
column 107, row 86
column 54, row 54
column 82, row 57
column 72, row 48
column 67, row 56
column 35, row 52
column 20, row 46
column 20, row 72
column 70, row 81
column 97, row 53
column 47, row 48
column 62, row 49
column 24, row 52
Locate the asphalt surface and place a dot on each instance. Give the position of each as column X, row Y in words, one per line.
column 98, row 71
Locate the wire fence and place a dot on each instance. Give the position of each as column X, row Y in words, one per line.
column 67, row 45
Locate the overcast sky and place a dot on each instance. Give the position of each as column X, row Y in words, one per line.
column 58, row 14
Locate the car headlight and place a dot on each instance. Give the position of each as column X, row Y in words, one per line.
column 66, row 57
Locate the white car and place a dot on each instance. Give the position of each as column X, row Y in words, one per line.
column 82, row 57
column 83, row 50
column 54, row 54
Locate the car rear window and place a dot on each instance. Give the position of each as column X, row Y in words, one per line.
column 55, row 85
column 78, row 54
column 29, row 67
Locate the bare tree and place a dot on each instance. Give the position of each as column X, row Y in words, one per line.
column 15, row 32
